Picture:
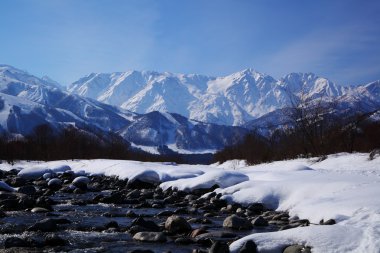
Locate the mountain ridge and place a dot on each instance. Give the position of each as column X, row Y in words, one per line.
column 28, row 101
column 233, row 99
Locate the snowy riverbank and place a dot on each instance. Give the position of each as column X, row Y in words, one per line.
column 344, row 187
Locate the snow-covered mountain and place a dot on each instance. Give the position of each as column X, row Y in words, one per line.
column 230, row 100
column 180, row 111
column 28, row 101
column 350, row 103
column 179, row 133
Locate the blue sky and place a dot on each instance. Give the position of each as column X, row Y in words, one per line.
column 68, row 39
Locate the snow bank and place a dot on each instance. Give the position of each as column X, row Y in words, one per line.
column 39, row 171
column 207, row 180
column 121, row 168
column 359, row 234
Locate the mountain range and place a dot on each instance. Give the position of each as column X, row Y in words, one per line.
column 186, row 112
column 229, row 100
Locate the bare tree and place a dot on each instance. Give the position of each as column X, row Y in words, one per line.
column 311, row 117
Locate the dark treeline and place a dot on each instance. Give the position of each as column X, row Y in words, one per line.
column 45, row 144
column 309, row 137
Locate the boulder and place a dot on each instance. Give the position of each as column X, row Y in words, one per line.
column 148, row 225
column 177, row 225
column 248, row 247
column 259, row 221
column 219, row 247
column 55, row 184
column 81, row 182
column 27, row 189
column 256, row 208
column 236, row 222
column 150, row 237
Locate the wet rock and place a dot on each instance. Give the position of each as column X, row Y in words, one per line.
column 259, row 221
column 46, row 225
column 256, row 208
column 157, row 205
column 26, row 202
column 216, row 235
column 112, row 224
column 79, row 191
column 281, row 216
column 278, row 222
column 219, row 247
column 182, row 210
column 147, row 224
column 248, row 247
column 297, row 249
column 138, row 184
column 176, row 225
column 147, row 193
column 198, row 231
column 131, row 214
column 27, row 189
column 136, row 228
column 133, row 194
column 184, row 240
column 218, row 203
column 114, row 198
column 300, row 221
column 45, row 202
column 9, row 204
column 18, row 181
column 81, row 182
column 12, row 242
column 212, row 214
column 54, row 240
column 55, row 184
column 236, row 222
column 328, row 222
column 150, row 237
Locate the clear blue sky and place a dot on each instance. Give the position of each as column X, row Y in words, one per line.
column 69, row 39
